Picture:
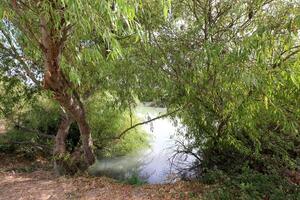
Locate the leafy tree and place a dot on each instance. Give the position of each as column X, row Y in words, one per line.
column 235, row 65
column 69, row 46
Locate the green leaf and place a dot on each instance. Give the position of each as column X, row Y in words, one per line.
column 1, row 13
column 266, row 101
column 297, row 21
column 295, row 80
column 165, row 11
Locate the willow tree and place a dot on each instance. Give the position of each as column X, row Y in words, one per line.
column 236, row 65
column 69, row 42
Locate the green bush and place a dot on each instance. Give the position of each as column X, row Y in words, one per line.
column 107, row 121
column 214, row 176
column 135, row 179
column 27, row 144
column 253, row 185
column 43, row 115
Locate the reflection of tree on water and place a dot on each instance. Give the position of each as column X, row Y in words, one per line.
column 184, row 161
column 157, row 164
column 120, row 168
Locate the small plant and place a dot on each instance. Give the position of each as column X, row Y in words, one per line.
column 135, row 179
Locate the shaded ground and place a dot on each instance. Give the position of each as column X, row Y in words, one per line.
column 22, row 179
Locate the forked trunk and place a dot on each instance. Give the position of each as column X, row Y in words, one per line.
column 63, row 90
column 76, row 110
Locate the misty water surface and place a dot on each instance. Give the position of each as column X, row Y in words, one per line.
column 152, row 165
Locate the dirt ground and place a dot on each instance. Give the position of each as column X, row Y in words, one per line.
column 18, row 180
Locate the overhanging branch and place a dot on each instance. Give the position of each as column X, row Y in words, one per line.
column 145, row 122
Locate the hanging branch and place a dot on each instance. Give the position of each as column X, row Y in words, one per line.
column 145, row 122
column 295, row 52
column 28, row 30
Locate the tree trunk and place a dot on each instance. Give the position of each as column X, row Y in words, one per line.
column 87, row 142
column 61, row 136
column 59, row 151
column 76, row 109
column 63, row 90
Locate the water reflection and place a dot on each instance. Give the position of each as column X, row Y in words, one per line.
column 153, row 165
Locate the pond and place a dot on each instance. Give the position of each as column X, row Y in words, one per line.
column 157, row 164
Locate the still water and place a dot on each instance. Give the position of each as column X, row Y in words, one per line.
column 155, row 165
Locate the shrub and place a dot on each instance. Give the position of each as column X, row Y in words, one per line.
column 254, row 185
column 135, row 179
column 43, row 115
column 27, row 144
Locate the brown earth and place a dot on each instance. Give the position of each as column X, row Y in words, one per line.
column 19, row 181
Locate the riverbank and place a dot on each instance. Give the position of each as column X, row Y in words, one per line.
column 23, row 179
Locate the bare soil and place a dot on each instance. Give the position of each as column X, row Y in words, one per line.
column 23, row 179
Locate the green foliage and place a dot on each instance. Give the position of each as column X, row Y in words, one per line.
column 134, row 179
column 42, row 114
column 14, row 96
column 277, row 151
column 97, row 33
column 68, row 164
column 213, row 176
column 25, row 144
column 108, row 121
column 15, row 136
column 241, row 90
column 253, row 185
column 232, row 66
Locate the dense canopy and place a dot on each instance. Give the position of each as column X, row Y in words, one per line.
column 228, row 70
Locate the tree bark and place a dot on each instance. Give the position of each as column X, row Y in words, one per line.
column 59, row 151
column 86, row 141
column 61, row 136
